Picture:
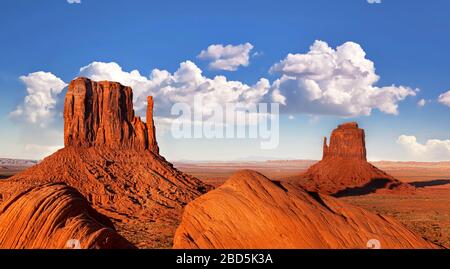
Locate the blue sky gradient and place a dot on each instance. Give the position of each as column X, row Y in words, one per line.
column 407, row 41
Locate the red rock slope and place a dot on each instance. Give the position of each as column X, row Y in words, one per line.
column 344, row 169
column 250, row 211
column 112, row 158
column 49, row 216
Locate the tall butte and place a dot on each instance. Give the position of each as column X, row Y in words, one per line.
column 101, row 114
column 344, row 169
column 112, row 158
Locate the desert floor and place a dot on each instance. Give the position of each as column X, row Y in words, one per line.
column 8, row 171
column 427, row 211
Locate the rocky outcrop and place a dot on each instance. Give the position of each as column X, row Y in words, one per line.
column 252, row 212
column 113, row 159
column 101, row 114
column 344, row 169
column 152, row 144
column 347, row 142
column 55, row 216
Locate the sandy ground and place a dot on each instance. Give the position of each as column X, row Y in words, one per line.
column 427, row 211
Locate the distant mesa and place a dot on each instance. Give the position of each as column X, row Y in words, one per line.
column 55, row 216
column 112, row 158
column 344, row 169
column 250, row 211
column 6, row 163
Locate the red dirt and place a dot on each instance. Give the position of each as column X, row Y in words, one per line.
column 250, row 211
column 426, row 211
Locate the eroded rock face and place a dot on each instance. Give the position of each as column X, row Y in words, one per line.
column 344, row 169
column 152, row 144
column 55, row 216
column 252, row 212
column 347, row 142
column 101, row 114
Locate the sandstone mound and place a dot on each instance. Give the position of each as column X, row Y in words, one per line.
column 54, row 216
column 344, row 169
column 113, row 159
column 250, row 211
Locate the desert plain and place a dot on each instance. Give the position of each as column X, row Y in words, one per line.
column 426, row 211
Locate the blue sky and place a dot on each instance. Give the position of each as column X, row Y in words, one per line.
column 407, row 41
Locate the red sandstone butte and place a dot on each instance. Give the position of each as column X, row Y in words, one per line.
column 101, row 114
column 249, row 211
column 347, row 142
column 344, row 169
column 55, row 216
column 112, row 158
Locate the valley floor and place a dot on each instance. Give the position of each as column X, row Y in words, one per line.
column 427, row 211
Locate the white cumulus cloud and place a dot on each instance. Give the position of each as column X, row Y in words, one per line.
column 432, row 150
column 323, row 81
column 180, row 86
column 445, row 98
column 39, row 104
column 422, row 102
column 227, row 57
column 331, row 81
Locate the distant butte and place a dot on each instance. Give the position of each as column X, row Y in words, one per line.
column 112, row 158
column 250, row 211
column 344, row 169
